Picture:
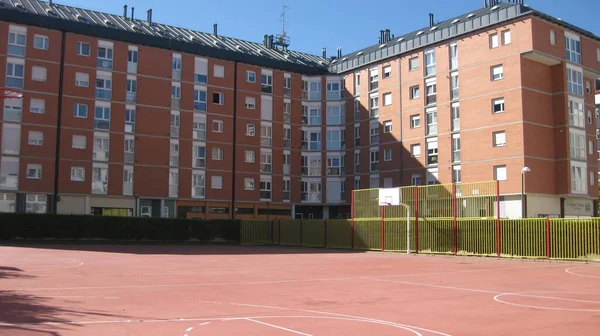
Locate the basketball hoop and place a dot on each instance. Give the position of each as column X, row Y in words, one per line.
column 6, row 93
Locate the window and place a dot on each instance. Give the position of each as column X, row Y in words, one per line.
column 250, row 76
column 217, row 126
column 199, row 127
column 131, row 90
column 311, row 191
column 413, row 64
column 415, row 150
column 250, row 130
column 105, row 57
column 432, row 176
column 9, row 173
column 217, row 98
column 102, row 118
column 173, row 183
column 589, row 117
column 453, row 56
column 13, row 110
column 432, row 151
column 454, row 85
column 265, row 189
column 432, row 124
column 266, row 162
column 592, row 178
column 79, row 142
column 552, row 37
column 83, row 49
column 128, row 180
column 499, row 139
column 429, row 62
column 250, row 103
column 572, row 48
column 132, row 59
column 16, row 42
column 34, row 171
column 336, row 140
column 101, row 147
column 175, row 95
column 216, row 182
column 500, row 173
column 497, row 72
column 130, row 119
column 374, row 79
column 311, row 140
column 249, row 156
column 498, row 105
column 198, row 184
column 357, row 84
column 374, row 133
column 11, row 139
column 39, row 73
column 99, row 179
column 415, row 180
column 287, row 136
column 577, row 144
column 82, row 79
column 374, row 160
column 333, row 91
column 315, row 90
column 199, row 155
column 80, row 111
column 574, row 81
column 217, row 153
column 493, row 41
column 41, row 42
column 387, row 71
column 77, row 174
column 174, row 153
column 387, row 99
column 387, row 154
column 455, row 147
column 415, row 121
column 336, row 165
column 455, row 115
column 200, row 99
column 266, row 83
column 414, row 92
column 456, row 174
column 374, row 106
column 219, row 71
column 590, row 147
column 387, row 126
column 175, row 124
column 15, row 74
column 248, row 184
column 335, row 115
column 200, row 70
column 266, row 134
column 576, row 116
column 287, row 85
column 431, row 89
column 129, row 149
column 286, row 190
column 506, row 39
column 176, row 67
column 103, row 88
column 35, row 138
column 578, row 178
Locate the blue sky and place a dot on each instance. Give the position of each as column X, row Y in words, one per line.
column 315, row 24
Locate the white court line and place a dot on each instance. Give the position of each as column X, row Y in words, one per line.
column 205, row 323
column 499, row 293
column 279, row 281
column 570, row 271
column 258, row 306
column 190, row 329
column 497, row 299
column 278, row 327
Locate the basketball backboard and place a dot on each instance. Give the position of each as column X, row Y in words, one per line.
column 389, row 196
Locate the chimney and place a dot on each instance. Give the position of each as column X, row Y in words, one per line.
column 150, row 16
column 265, row 40
column 430, row 19
column 132, row 10
column 387, row 35
column 125, row 12
column 339, row 52
column 215, row 29
column 324, row 52
column 381, row 36
column 271, row 41
column 50, row 2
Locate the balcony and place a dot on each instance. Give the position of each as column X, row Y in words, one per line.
column 199, row 162
column 9, row 181
column 266, row 142
column 174, row 160
column 287, row 117
column 103, row 94
column 265, row 194
column 287, row 92
column 100, row 155
column 129, row 157
column 174, row 132
column 374, row 166
column 131, row 97
column 200, row 79
column 176, row 74
column 373, row 86
column 286, row 196
column 173, row 191
column 127, row 188
column 286, row 169
column 175, row 103
column 313, row 197
column 14, row 82
column 198, row 192
column 132, row 67
column 266, row 89
column 104, row 63
column 374, row 112
column 101, row 124
column 455, row 124
column 12, row 115
column 287, row 143
column 100, row 187
column 456, row 156
column 431, row 99
column 266, row 168
column 199, row 106
column 199, row 135
column 432, row 129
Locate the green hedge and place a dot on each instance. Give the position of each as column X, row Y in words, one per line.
column 74, row 227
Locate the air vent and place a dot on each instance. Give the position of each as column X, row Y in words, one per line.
column 381, row 46
column 470, row 15
column 334, row 61
column 433, row 28
column 134, row 26
column 109, row 23
column 455, row 21
column 359, row 53
column 50, row 11
column 400, row 39
column 420, row 33
column 216, row 43
column 494, row 8
column 259, row 51
column 344, row 59
column 193, row 38
column 20, row 6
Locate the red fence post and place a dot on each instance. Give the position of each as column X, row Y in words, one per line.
column 416, row 197
column 382, row 228
column 498, row 231
column 352, row 223
column 454, row 223
column 548, row 239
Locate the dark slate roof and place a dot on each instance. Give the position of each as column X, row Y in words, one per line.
column 116, row 27
column 443, row 31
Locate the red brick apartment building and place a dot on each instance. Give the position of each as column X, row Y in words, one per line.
column 124, row 116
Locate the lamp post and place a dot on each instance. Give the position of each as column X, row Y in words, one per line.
column 523, row 203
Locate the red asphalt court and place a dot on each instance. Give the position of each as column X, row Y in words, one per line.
column 271, row 291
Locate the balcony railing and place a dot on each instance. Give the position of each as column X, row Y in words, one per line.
column 99, row 187
column 286, row 195
column 198, row 192
column 129, row 156
column 9, row 181
column 104, row 64
column 173, row 191
column 127, row 188
column 175, row 103
column 200, row 163
column 103, row 93
column 100, row 155
column 174, row 132
column 199, row 135
column 130, row 96
column 12, row 115
column 265, row 194
column 174, row 160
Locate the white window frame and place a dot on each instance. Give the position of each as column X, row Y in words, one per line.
column 217, row 126
column 35, row 138
column 500, row 173
column 499, row 139
column 39, row 74
column 81, row 49
column 41, row 42
column 217, row 153
column 248, row 184
column 79, row 141
column 506, row 37
column 415, row 150
column 78, row 174
column 216, row 182
column 498, row 102
column 34, row 171
column 497, row 72
column 82, row 79
column 494, row 41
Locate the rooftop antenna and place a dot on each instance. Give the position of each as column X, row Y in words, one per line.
column 282, row 39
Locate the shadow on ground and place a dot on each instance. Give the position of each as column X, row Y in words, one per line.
column 24, row 314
